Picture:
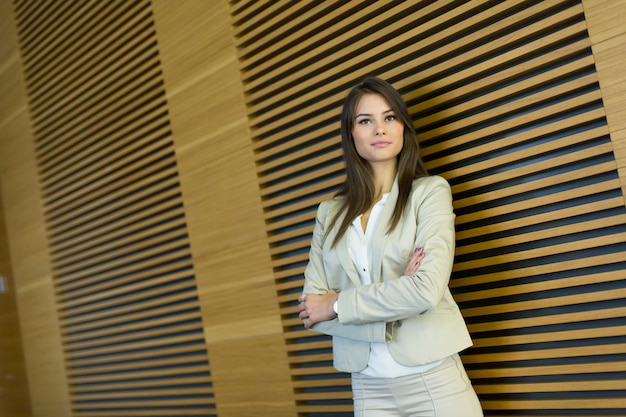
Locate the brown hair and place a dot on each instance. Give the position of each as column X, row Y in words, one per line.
column 358, row 188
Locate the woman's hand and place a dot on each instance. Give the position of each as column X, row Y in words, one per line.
column 315, row 308
column 414, row 262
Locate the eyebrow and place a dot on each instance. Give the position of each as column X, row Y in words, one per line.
column 369, row 114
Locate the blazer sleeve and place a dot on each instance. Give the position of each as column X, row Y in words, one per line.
column 315, row 282
column 408, row 296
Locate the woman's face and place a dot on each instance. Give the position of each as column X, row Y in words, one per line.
column 378, row 135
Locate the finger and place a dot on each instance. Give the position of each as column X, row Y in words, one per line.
column 413, row 267
column 417, row 258
column 417, row 253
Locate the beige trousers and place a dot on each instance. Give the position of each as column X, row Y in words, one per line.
column 444, row 391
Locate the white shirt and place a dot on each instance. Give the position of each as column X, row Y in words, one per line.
column 381, row 363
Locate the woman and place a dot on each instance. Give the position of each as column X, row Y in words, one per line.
column 380, row 262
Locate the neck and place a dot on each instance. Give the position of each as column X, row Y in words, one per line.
column 384, row 177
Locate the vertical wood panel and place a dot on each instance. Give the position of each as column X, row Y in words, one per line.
column 32, row 276
column 14, row 397
column 607, row 31
column 223, row 207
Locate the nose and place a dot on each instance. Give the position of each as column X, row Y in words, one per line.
column 380, row 129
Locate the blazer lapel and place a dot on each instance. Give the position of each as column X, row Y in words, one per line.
column 343, row 253
column 380, row 234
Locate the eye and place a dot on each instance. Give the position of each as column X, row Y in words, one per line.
column 390, row 118
column 363, row 121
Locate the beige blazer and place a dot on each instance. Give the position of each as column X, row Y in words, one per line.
column 416, row 315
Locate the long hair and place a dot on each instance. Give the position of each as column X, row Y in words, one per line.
column 358, row 188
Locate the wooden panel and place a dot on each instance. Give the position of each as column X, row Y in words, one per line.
column 14, row 397
column 32, row 271
column 223, row 209
column 607, row 31
column 507, row 105
column 30, row 282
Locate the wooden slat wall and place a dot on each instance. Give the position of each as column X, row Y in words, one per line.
column 510, row 101
column 125, row 288
column 507, row 105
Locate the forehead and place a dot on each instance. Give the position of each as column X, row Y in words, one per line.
column 372, row 103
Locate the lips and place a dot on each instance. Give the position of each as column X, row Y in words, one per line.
column 380, row 144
